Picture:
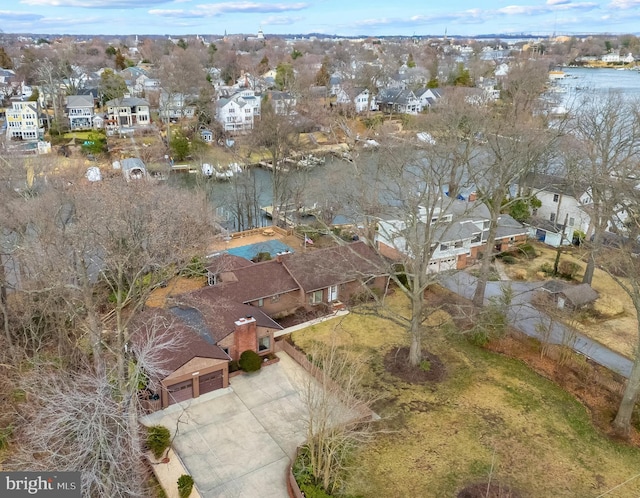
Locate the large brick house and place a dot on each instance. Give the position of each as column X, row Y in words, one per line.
column 236, row 311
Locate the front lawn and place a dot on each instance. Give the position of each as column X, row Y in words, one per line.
column 491, row 418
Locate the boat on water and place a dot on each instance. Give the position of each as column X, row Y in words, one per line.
column 310, row 161
column 557, row 75
column 221, row 173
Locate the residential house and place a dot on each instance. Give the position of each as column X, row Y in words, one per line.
column 357, row 97
column 80, row 112
column 299, row 280
column 561, row 199
column 235, row 312
column 194, row 364
column 175, row 106
column 237, row 112
column 397, row 100
column 283, row 102
column 128, row 112
column 24, row 121
column 460, row 237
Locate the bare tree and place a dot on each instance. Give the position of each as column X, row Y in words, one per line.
column 277, row 134
column 607, row 132
column 76, row 420
column 337, row 414
column 400, row 198
column 621, row 260
column 512, row 146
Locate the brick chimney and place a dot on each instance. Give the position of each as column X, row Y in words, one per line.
column 473, row 196
column 245, row 335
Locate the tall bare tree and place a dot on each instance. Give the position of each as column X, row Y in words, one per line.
column 607, row 131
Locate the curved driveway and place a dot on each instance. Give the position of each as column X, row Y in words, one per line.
column 528, row 319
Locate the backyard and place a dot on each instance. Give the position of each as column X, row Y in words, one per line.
column 489, row 419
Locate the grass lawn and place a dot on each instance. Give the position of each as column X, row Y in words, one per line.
column 491, row 416
column 617, row 327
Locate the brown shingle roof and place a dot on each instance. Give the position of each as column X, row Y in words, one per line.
column 160, row 322
column 217, row 313
column 258, row 281
column 334, row 265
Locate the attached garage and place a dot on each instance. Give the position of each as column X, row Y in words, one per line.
column 211, row 381
column 179, row 392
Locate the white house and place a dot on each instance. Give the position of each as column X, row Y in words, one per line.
column 359, row 97
column 237, row 112
column 461, row 231
column 561, row 199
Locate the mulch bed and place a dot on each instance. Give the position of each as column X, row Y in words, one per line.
column 488, row 490
column 396, row 361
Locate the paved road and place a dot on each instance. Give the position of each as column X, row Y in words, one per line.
column 528, row 319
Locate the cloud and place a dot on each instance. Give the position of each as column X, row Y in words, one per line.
column 7, row 15
column 281, row 20
column 95, row 4
column 218, row 9
column 624, row 4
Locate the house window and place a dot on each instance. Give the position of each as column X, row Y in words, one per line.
column 552, row 217
column 226, row 350
column 264, row 343
column 275, row 299
column 260, row 303
column 572, row 221
column 315, row 297
column 556, row 197
column 458, row 244
column 444, row 247
column 475, row 239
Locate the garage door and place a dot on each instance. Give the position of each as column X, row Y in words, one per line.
column 448, row 264
column 180, row 392
column 210, row 382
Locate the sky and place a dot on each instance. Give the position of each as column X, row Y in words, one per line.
column 339, row 17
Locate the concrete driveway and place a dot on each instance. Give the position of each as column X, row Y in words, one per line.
column 239, row 441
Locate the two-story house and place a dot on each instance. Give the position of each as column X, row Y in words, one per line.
column 80, row 112
column 24, row 121
column 358, row 97
column 175, row 106
column 459, row 236
column 398, row 100
column 283, row 103
column 128, row 112
column 561, row 199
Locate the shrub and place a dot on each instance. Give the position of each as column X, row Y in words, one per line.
column 185, row 485
column 520, row 274
column 528, row 251
column 250, row 361
column 509, row 260
column 547, row 269
column 568, row 269
column 233, row 366
column 425, row 365
column 158, row 439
